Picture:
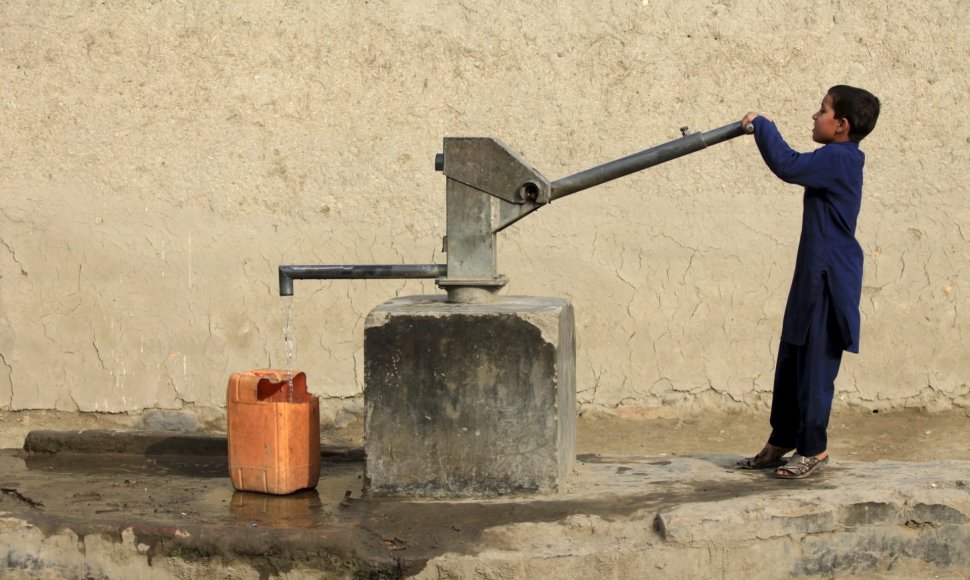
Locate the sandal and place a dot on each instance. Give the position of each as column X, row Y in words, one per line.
column 800, row 467
column 768, row 457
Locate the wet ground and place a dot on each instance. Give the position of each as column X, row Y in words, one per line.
column 175, row 487
column 159, row 496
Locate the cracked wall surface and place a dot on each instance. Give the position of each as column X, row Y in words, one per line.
column 159, row 160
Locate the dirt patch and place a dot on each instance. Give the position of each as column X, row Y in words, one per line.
column 908, row 435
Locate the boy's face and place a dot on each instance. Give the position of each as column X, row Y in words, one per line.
column 827, row 128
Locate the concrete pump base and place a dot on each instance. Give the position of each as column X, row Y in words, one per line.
column 469, row 399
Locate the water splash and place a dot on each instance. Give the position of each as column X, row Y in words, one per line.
column 289, row 345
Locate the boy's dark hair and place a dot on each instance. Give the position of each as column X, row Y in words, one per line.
column 858, row 106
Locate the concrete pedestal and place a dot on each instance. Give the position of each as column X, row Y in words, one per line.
column 469, row 399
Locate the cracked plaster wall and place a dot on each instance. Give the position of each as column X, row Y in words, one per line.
column 159, row 160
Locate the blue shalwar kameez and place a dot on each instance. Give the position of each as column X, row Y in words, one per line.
column 822, row 314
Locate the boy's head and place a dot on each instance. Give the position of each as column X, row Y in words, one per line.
column 857, row 106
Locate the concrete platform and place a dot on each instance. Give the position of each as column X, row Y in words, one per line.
column 159, row 505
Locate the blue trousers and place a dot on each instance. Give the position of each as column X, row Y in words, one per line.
column 805, row 384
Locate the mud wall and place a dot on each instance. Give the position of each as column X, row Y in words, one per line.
column 158, row 160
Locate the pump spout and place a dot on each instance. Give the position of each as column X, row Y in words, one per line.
column 363, row 272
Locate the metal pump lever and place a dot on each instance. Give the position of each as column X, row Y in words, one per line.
column 488, row 188
column 689, row 143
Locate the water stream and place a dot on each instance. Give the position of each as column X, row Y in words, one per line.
column 288, row 343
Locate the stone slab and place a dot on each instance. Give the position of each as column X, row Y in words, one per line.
column 71, row 515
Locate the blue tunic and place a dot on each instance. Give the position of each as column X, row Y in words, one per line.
column 829, row 257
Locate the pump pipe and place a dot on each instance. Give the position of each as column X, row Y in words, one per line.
column 364, row 271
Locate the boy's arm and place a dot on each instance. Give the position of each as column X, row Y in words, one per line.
column 805, row 169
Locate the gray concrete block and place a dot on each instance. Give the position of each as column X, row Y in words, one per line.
column 469, row 399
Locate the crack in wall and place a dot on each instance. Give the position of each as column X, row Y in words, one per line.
column 722, row 392
column 775, row 240
column 77, row 406
column 597, row 375
column 592, row 246
column 683, row 246
column 322, row 343
column 13, row 256
column 47, row 335
column 9, row 368
column 97, row 350
column 633, row 296
column 358, row 363
column 656, row 354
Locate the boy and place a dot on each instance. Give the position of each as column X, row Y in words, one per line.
column 822, row 314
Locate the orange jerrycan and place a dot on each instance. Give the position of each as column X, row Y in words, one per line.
column 273, row 432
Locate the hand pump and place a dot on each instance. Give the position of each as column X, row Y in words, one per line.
column 488, row 189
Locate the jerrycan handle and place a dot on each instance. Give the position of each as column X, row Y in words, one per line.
column 276, row 389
